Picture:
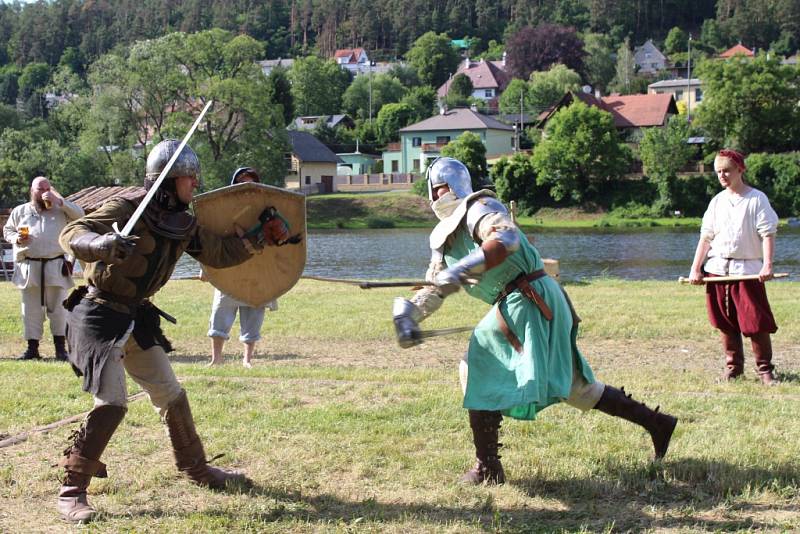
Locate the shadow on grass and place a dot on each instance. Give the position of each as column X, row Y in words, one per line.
column 673, row 495
column 235, row 358
column 788, row 377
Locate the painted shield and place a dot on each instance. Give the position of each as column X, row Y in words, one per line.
column 275, row 270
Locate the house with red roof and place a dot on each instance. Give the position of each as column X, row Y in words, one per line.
column 489, row 79
column 353, row 59
column 738, row 49
column 631, row 113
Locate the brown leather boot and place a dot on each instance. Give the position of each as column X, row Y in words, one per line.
column 188, row 449
column 485, row 433
column 81, row 461
column 762, row 349
column 615, row 402
column 734, row 355
column 60, row 343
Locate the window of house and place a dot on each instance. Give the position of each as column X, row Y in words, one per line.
column 308, row 179
column 678, row 95
column 395, row 165
column 512, row 143
column 415, row 165
column 698, row 95
column 416, row 141
column 488, row 93
column 442, row 139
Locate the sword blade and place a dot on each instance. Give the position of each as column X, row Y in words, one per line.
column 126, row 231
column 733, row 278
column 445, row 331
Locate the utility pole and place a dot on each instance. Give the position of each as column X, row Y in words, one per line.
column 689, row 81
column 519, row 130
column 370, row 91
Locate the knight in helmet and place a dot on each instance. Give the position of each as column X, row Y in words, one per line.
column 114, row 328
column 522, row 356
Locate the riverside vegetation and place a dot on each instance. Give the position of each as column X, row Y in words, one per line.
column 407, row 210
column 342, row 431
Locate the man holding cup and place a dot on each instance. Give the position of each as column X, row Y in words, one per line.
column 41, row 271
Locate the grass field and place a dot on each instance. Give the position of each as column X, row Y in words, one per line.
column 341, row 431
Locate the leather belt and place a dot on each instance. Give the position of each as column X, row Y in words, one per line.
column 41, row 274
column 522, row 283
column 115, row 302
column 125, row 305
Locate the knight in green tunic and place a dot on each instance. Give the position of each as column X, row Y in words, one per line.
column 522, row 356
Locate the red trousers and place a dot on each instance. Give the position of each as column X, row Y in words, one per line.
column 740, row 307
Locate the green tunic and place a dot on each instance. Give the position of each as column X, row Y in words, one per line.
column 501, row 379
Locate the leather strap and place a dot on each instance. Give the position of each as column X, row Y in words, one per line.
column 85, row 466
column 41, row 274
column 510, row 336
column 522, row 282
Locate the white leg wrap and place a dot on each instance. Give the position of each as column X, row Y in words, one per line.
column 427, row 300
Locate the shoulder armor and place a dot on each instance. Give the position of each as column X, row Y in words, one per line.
column 481, row 207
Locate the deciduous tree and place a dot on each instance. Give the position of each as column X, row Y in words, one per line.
column 537, row 49
column 434, row 58
column 469, row 150
column 579, row 152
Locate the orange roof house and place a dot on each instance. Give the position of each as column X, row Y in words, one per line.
column 738, row 49
column 629, row 111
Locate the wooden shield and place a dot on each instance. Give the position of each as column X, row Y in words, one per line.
column 272, row 272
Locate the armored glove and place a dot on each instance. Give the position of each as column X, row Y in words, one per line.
column 109, row 248
column 406, row 322
column 451, row 279
column 272, row 230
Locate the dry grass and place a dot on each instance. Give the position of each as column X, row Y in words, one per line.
column 341, row 431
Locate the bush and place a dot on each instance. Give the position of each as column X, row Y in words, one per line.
column 778, row 176
column 420, row 187
column 379, row 222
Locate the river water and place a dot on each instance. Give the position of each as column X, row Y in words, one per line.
column 650, row 254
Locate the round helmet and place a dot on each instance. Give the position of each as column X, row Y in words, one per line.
column 244, row 170
column 186, row 164
column 449, row 172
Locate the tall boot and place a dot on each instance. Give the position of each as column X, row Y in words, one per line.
column 485, row 433
column 190, row 457
column 734, row 355
column 660, row 426
column 32, row 352
column 81, row 461
column 60, row 343
column 762, row 349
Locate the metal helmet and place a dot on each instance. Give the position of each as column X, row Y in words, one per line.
column 450, row 172
column 244, row 170
column 186, row 164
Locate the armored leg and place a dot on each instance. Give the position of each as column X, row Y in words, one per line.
column 485, row 434
column 190, row 457
column 734, row 355
column 82, row 461
column 660, row 426
column 762, row 349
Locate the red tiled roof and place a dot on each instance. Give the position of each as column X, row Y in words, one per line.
column 738, row 49
column 351, row 53
column 629, row 111
column 636, row 111
column 483, row 75
column 93, row 197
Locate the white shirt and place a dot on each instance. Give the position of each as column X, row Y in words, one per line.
column 44, row 228
column 735, row 226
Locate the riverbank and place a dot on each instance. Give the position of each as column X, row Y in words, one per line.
column 340, row 430
column 407, row 210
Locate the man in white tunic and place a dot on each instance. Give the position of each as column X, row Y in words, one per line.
column 738, row 238
column 41, row 271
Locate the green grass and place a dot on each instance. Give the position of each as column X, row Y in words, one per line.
column 341, row 431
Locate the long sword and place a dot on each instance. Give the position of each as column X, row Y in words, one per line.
column 733, row 278
column 151, row 193
column 445, row 331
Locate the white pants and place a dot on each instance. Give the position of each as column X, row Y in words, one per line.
column 149, row 368
column 33, row 311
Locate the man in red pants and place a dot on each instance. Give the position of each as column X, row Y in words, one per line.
column 738, row 238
